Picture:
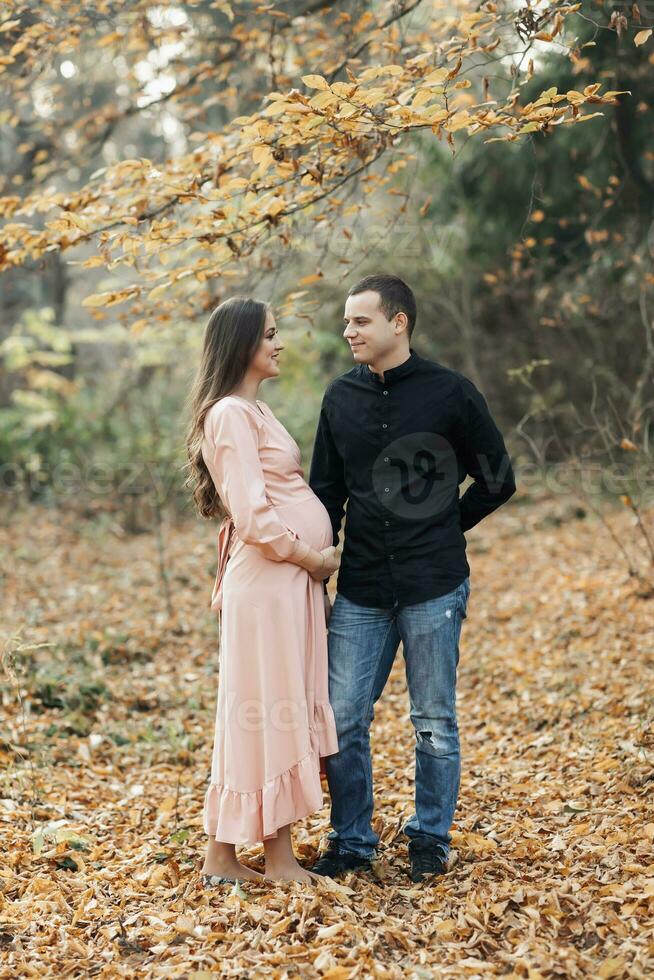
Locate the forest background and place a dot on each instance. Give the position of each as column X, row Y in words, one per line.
column 159, row 157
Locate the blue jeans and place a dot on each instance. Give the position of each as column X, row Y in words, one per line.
column 363, row 642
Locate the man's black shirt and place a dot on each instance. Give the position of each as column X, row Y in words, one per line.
column 396, row 451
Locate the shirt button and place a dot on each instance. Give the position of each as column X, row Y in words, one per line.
column 386, row 523
column 384, row 426
column 391, row 557
column 387, row 489
column 385, row 459
column 384, row 392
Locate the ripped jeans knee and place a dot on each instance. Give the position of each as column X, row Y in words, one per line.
column 439, row 737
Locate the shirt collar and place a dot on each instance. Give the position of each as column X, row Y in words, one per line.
column 392, row 374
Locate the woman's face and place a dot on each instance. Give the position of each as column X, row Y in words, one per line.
column 265, row 361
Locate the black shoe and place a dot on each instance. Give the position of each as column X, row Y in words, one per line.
column 335, row 862
column 426, row 859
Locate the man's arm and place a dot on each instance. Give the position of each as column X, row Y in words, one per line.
column 326, row 478
column 482, row 450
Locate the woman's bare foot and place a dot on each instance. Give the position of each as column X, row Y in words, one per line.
column 281, row 863
column 291, row 873
column 221, row 860
column 234, row 871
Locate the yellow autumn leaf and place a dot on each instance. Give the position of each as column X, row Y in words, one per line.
column 315, row 81
column 434, row 77
column 231, row 184
column 344, row 90
column 578, row 119
column 453, row 72
column 276, row 108
column 436, row 114
column 404, row 97
column 323, row 99
column 458, row 121
column 76, row 220
column 422, row 97
column 157, row 876
column 96, row 299
column 224, row 7
column 261, row 152
column 275, row 207
column 93, row 262
column 642, row 36
column 281, row 926
column 326, row 932
column 264, row 163
column 108, row 39
column 613, row 966
column 373, row 97
column 159, row 290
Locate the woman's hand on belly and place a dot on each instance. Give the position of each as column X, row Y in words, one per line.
column 331, row 564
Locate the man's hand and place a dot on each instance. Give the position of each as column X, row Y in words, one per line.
column 328, row 608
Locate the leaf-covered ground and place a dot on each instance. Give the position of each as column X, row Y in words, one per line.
column 107, row 725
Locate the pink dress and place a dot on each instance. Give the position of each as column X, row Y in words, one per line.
column 273, row 720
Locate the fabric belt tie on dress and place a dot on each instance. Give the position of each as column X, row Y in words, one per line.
column 226, row 535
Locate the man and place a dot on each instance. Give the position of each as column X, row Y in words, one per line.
column 396, row 436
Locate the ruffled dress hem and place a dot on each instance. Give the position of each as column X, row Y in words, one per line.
column 234, row 817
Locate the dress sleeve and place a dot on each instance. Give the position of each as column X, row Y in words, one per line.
column 231, row 440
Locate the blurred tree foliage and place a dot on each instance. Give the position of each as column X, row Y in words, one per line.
column 299, row 146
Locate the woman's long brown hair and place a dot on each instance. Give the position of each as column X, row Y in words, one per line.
column 232, row 336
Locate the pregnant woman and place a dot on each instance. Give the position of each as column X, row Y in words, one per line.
column 273, row 720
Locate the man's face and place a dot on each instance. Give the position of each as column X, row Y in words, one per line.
column 367, row 331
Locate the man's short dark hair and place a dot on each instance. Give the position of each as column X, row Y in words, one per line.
column 394, row 296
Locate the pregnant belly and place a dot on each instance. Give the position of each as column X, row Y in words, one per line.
column 309, row 519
